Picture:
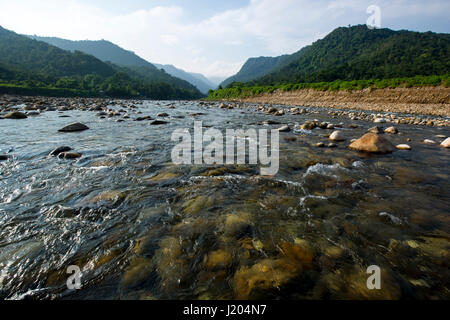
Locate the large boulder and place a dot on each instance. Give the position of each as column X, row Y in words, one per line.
column 74, row 127
column 372, row 142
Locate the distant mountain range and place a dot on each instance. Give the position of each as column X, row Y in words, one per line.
column 200, row 81
column 110, row 52
column 353, row 53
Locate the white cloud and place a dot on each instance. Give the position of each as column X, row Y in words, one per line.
column 216, row 46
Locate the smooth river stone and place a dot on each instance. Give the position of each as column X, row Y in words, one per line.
column 74, row 127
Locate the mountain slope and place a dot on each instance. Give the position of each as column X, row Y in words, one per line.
column 354, row 53
column 25, row 55
column 29, row 66
column 360, row 53
column 110, row 52
column 197, row 80
column 255, row 68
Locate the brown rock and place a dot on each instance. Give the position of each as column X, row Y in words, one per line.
column 374, row 143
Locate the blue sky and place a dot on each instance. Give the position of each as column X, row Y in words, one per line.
column 208, row 36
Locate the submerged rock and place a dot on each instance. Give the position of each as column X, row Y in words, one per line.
column 374, row 143
column 263, row 276
column 74, row 127
column 237, row 224
column 3, row 157
column 218, row 259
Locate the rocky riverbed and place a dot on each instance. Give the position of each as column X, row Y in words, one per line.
column 90, row 182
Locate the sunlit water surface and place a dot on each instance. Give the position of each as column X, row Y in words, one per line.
column 140, row 227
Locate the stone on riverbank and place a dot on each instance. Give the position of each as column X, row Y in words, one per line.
column 373, row 143
column 74, row 127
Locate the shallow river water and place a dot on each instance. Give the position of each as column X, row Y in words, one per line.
column 140, row 227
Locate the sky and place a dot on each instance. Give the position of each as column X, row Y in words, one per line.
column 212, row 37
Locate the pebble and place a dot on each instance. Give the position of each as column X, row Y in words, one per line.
column 428, row 141
column 403, row 147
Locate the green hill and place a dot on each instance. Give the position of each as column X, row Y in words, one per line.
column 29, row 66
column 110, row 52
column 358, row 53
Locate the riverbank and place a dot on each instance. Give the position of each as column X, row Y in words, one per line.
column 421, row 100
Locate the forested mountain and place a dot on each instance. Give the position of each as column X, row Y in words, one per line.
column 255, row 68
column 198, row 80
column 108, row 51
column 32, row 66
column 356, row 53
column 24, row 55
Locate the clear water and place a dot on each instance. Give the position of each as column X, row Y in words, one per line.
column 140, row 227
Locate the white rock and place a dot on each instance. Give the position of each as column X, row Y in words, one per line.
column 428, row 141
column 337, row 136
column 446, row 143
column 403, row 147
column 379, row 120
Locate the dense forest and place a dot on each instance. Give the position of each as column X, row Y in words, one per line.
column 29, row 66
column 357, row 53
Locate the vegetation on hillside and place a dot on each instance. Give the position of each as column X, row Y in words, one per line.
column 239, row 90
column 109, row 52
column 29, row 66
column 358, row 53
